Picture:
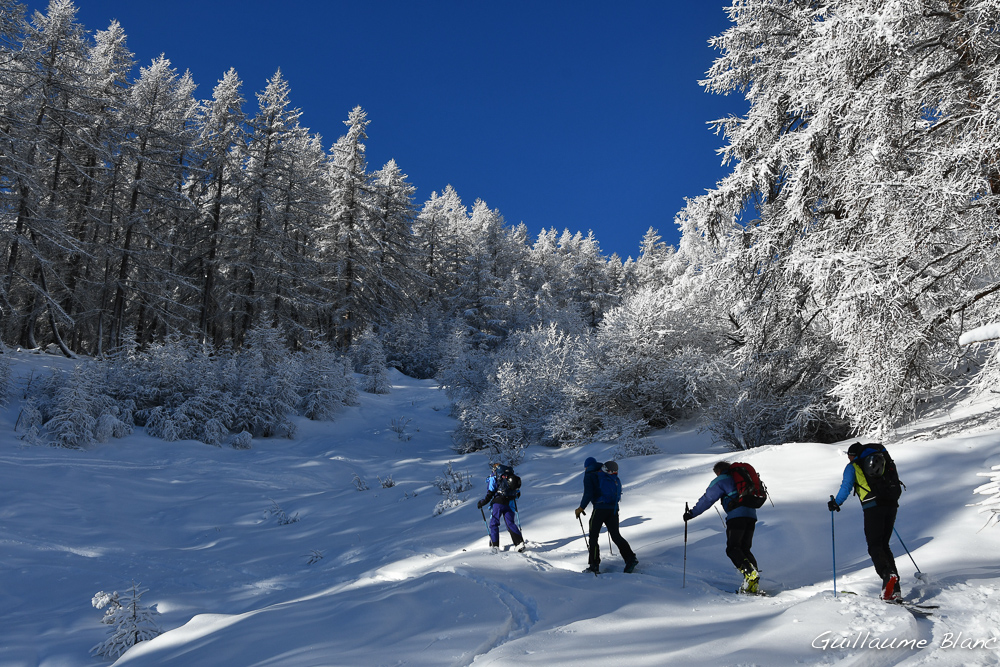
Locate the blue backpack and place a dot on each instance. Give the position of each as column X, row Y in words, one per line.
column 611, row 489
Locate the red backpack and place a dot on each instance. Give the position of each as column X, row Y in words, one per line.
column 750, row 491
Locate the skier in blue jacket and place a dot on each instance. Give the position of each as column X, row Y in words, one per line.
column 879, row 513
column 740, row 523
column 605, row 511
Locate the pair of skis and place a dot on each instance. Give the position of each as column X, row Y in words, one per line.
column 918, row 610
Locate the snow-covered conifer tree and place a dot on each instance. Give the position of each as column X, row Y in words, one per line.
column 281, row 199
column 159, row 116
column 262, row 380
column 411, row 346
column 401, row 283
column 222, row 134
column 351, row 242
column 651, row 270
column 326, row 382
column 438, row 230
column 481, row 298
column 131, row 621
column 369, row 359
column 71, row 424
column 596, row 290
column 88, row 192
column 464, row 367
column 42, row 129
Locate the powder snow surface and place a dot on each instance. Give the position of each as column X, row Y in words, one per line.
column 393, row 584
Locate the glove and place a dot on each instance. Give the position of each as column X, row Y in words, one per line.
column 480, row 504
column 579, row 511
column 688, row 516
column 833, row 506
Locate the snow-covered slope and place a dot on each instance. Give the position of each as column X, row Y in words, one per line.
column 375, row 578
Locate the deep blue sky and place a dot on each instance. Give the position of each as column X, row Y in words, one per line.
column 583, row 115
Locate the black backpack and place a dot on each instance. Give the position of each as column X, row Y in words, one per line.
column 880, row 472
column 508, row 484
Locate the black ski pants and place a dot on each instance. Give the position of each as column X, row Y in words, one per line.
column 879, row 523
column 607, row 517
column 739, row 540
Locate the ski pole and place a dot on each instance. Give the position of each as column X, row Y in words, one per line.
column 487, row 526
column 919, row 574
column 611, row 548
column 517, row 520
column 585, row 540
column 833, row 537
column 684, row 580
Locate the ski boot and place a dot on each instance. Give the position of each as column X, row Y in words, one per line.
column 891, row 589
column 751, row 582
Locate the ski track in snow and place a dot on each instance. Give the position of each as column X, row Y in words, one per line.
column 523, row 614
column 389, row 583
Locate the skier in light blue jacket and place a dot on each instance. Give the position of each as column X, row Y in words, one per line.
column 740, row 523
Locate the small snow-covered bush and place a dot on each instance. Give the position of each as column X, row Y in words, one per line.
column 386, row 483
column 453, row 482
column 110, row 426
column 752, row 416
column 326, row 383
column 528, row 382
column 183, row 390
column 241, row 440
column 213, row 431
column 201, row 416
column 359, row 484
column 278, row 513
column 627, row 436
column 630, row 446
column 131, row 621
column 450, row 485
column 991, row 489
column 29, row 423
column 398, row 426
column 446, row 505
column 263, row 379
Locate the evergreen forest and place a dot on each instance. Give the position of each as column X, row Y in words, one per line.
column 217, row 267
